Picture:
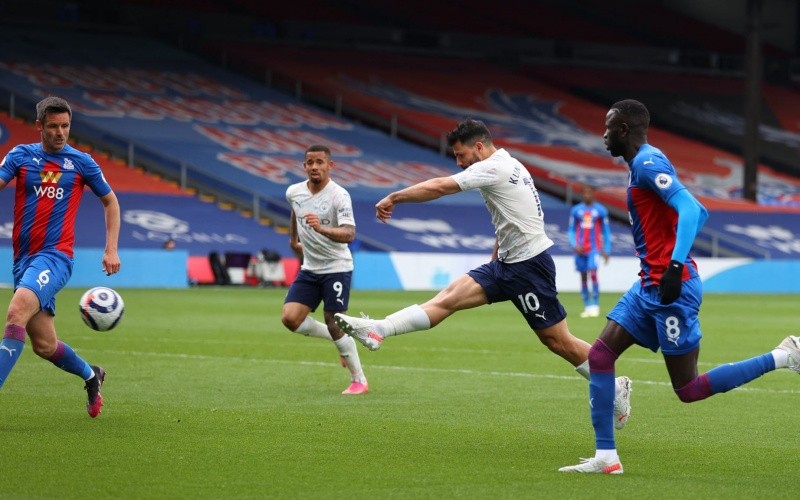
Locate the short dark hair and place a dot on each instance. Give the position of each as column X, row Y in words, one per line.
column 319, row 148
column 468, row 132
column 51, row 104
column 633, row 113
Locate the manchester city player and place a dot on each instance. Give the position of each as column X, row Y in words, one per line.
column 322, row 226
column 50, row 178
column 521, row 270
column 660, row 310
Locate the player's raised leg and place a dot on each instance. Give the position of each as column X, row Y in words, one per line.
column 790, row 347
column 363, row 329
column 371, row 332
column 463, row 293
column 729, row 376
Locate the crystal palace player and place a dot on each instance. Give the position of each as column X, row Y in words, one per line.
column 50, row 178
column 589, row 235
column 660, row 311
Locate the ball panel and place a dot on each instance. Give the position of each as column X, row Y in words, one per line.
column 101, row 308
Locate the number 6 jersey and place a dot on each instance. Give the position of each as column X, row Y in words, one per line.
column 48, row 192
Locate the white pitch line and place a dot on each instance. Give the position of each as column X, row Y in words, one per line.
column 656, row 359
column 460, row 371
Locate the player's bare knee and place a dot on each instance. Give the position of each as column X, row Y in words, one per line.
column 291, row 322
column 43, row 349
column 16, row 316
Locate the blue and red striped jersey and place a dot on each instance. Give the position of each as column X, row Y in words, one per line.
column 48, row 192
column 653, row 181
column 589, row 228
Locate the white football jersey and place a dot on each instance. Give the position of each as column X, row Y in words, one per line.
column 321, row 255
column 513, row 202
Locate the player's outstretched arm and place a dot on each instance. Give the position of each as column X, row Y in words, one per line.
column 431, row 189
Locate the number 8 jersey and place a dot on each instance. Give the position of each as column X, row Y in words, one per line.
column 48, row 192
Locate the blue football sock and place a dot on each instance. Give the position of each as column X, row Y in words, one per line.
column 585, row 294
column 10, row 349
column 595, row 293
column 69, row 361
column 730, row 376
column 601, row 400
column 602, row 385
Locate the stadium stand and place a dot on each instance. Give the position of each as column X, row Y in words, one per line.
column 665, row 26
column 706, row 107
column 244, row 138
column 555, row 132
column 123, row 178
column 558, row 132
column 420, row 97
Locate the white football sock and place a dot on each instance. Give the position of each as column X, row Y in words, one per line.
column 583, row 369
column 411, row 319
column 781, row 358
column 313, row 328
column 607, row 456
column 349, row 353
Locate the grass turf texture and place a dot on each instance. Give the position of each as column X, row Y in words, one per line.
column 208, row 396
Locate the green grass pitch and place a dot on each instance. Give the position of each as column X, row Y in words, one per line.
column 208, row 396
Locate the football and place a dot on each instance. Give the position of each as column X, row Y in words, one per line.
column 101, row 308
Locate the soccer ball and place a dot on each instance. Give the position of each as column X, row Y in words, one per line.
column 101, row 308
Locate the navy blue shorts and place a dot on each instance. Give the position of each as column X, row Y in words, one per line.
column 674, row 328
column 530, row 284
column 310, row 289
